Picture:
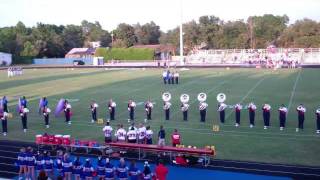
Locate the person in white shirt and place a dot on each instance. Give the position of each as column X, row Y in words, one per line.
column 121, row 134
column 164, row 76
column 132, row 135
column 107, row 133
column 141, row 134
column 132, row 126
column 149, row 134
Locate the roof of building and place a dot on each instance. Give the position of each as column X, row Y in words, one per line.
column 74, row 51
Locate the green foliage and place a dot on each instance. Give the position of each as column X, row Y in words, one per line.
column 125, row 53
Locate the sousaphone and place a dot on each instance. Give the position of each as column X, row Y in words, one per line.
column 184, row 98
column 202, row 97
column 221, row 97
column 166, row 96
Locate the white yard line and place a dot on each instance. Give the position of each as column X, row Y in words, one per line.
column 248, row 93
column 294, row 90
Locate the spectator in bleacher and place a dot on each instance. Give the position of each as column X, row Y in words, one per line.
column 48, row 163
column 147, row 174
column 4, row 122
column 161, row 136
column 122, row 170
column 121, row 134
column 101, row 167
column 30, row 163
column 110, row 170
column 175, row 138
column 67, row 167
column 22, row 163
column 149, row 134
column 161, row 171
column 164, row 76
column 77, row 168
column 141, row 134
column 107, row 133
column 132, row 135
column 87, row 170
column 134, row 172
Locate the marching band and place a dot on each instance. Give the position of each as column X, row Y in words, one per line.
column 131, row 107
column 112, row 109
column 148, row 107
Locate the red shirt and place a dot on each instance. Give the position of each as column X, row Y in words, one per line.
column 161, row 172
column 175, row 138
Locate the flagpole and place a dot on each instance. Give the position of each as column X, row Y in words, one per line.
column 181, row 35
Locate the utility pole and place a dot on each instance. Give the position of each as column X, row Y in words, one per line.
column 181, row 35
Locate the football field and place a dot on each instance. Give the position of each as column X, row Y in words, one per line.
column 285, row 86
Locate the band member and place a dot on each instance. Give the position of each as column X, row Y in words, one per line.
column 176, row 77
column 4, row 120
column 131, row 106
column 67, row 111
column 221, row 109
column 141, row 134
column 175, row 138
column 121, row 134
column 4, row 104
column 166, row 107
column 132, row 135
column 184, row 109
column 318, row 120
column 93, row 107
column 237, row 109
column 148, row 107
column 266, row 115
column 282, row 116
column 168, row 77
column 112, row 109
column 149, row 134
column 301, row 110
column 43, row 103
column 164, row 76
column 203, row 111
column 107, row 133
column 23, row 114
column 172, row 77
column 23, row 101
column 252, row 112
column 46, row 112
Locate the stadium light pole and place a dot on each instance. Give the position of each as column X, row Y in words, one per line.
column 181, row 36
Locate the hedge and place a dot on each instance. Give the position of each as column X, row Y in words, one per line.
column 125, row 53
column 22, row 59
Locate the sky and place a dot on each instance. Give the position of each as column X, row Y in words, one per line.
column 165, row 13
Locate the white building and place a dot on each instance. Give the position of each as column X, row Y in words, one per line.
column 95, row 44
column 5, row 59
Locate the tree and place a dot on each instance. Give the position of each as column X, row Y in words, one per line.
column 303, row 33
column 148, row 33
column 73, row 37
column 125, row 34
column 29, row 50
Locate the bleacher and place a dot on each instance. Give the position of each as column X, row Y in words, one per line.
column 254, row 56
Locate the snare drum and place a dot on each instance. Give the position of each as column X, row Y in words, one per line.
column 58, row 139
column 66, row 140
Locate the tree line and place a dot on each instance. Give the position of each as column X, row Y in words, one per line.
column 48, row 40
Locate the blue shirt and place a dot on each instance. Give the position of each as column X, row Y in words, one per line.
column 67, row 165
column 109, row 169
column 22, row 159
column 58, row 163
column 87, row 170
column 48, row 163
column 24, row 102
column 77, row 167
column 30, row 159
column 134, row 173
column 101, row 168
column 39, row 162
column 122, row 170
column 162, row 134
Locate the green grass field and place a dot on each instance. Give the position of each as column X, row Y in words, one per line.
column 290, row 87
